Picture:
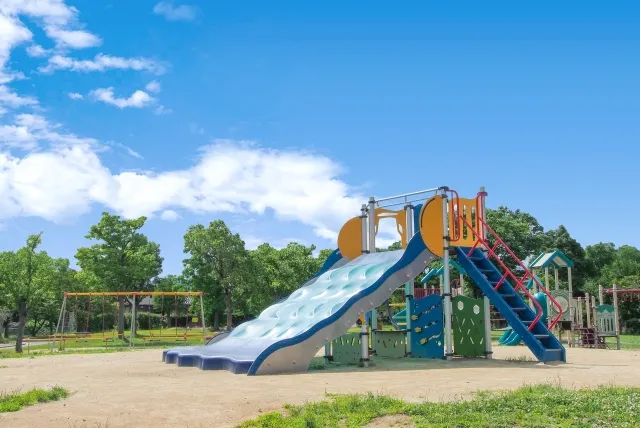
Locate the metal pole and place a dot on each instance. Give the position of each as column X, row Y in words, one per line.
column 488, row 352
column 448, row 339
column 327, row 353
column 372, row 249
column 364, row 340
column 409, row 286
column 483, row 210
column 372, row 225
column 365, row 229
column 461, row 284
column 555, row 277
column 616, row 314
column 64, row 301
column 204, row 328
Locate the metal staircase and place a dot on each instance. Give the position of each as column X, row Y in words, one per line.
column 544, row 345
column 504, row 288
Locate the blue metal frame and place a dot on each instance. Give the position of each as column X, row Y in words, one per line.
column 544, row 345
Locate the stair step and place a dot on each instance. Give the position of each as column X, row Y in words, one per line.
column 541, row 336
column 508, row 295
column 519, row 309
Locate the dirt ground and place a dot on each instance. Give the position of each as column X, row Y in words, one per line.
column 137, row 390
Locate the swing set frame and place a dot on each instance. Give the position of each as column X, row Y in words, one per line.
column 59, row 335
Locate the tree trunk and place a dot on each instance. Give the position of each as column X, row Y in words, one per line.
column 227, row 302
column 22, row 321
column 216, row 321
column 121, row 315
column 5, row 327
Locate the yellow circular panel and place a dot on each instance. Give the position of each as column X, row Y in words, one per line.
column 431, row 225
column 350, row 238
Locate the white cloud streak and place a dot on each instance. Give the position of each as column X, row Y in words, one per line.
column 138, row 99
column 102, row 62
column 175, row 13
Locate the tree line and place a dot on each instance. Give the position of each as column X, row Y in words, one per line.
column 239, row 283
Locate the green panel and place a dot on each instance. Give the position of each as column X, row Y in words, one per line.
column 468, row 326
column 390, row 343
column 347, row 349
column 563, row 298
column 606, row 320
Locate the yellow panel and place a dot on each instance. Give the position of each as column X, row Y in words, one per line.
column 466, row 235
column 350, row 238
column 431, row 225
column 401, row 220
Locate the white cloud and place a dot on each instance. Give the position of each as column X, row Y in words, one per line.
column 76, row 39
column 162, row 110
column 170, row 215
column 175, row 13
column 153, row 87
column 37, row 51
column 66, row 177
column 102, row 62
column 11, row 99
column 138, row 99
column 75, row 96
column 30, row 131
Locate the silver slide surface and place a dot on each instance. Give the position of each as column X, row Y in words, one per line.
column 286, row 336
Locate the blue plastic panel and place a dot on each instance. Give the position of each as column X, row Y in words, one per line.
column 426, row 327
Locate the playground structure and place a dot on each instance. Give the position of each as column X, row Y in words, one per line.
column 76, row 322
column 588, row 324
column 599, row 322
column 356, row 279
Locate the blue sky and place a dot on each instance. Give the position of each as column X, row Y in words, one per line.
column 281, row 117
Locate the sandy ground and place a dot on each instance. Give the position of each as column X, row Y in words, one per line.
column 137, row 390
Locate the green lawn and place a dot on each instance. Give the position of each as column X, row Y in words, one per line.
column 15, row 401
column 536, row 406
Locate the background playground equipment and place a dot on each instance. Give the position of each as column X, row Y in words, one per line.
column 356, row 279
column 596, row 323
column 77, row 321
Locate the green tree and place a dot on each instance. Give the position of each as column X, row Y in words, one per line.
column 123, row 259
column 519, row 230
column 170, row 305
column 279, row 272
column 217, row 263
column 23, row 275
column 56, row 277
column 598, row 257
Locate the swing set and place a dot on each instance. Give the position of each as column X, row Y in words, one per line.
column 74, row 321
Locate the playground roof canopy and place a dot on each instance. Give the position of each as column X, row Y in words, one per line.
column 555, row 258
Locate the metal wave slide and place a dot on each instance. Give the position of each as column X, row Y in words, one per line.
column 288, row 335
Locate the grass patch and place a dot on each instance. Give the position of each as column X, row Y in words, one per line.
column 4, row 367
column 520, row 359
column 531, row 406
column 16, row 401
column 49, row 353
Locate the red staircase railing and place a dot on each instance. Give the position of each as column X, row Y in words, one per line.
column 478, row 230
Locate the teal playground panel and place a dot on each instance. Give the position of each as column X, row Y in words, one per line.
column 347, row 349
column 427, row 339
column 390, row 343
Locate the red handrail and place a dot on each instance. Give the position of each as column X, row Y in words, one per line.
column 519, row 282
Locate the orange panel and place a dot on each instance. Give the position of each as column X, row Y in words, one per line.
column 431, row 225
column 350, row 238
column 401, row 220
column 466, row 236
